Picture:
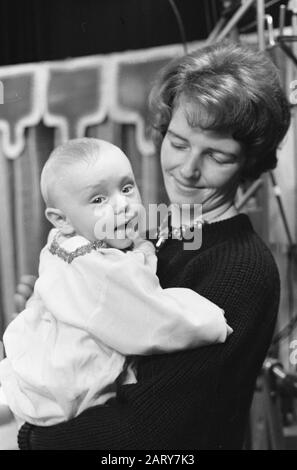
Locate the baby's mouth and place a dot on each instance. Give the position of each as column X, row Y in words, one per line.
column 124, row 226
column 128, row 229
column 121, row 227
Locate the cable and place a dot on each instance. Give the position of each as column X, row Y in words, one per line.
column 207, row 16
column 180, row 25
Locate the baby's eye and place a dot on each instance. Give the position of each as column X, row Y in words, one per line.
column 99, row 200
column 128, row 188
column 210, row 154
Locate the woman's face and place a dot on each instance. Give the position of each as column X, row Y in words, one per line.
column 199, row 166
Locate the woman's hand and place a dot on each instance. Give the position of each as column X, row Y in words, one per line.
column 24, row 291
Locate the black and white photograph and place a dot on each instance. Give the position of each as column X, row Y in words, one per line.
column 148, row 228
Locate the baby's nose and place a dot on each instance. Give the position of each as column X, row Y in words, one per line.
column 121, row 204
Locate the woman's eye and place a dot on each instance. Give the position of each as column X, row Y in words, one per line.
column 178, row 146
column 128, row 188
column 99, row 200
column 218, row 157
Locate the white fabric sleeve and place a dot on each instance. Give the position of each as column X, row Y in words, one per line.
column 118, row 299
column 3, row 400
column 137, row 316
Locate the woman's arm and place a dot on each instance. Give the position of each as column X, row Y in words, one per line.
column 174, row 392
column 138, row 317
column 118, row 299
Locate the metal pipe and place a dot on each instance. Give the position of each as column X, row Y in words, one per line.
column 277, row 193
column 285, row 38
column 294, row 25
column 261, row 24
column 288, row 51
column 213, row 35
column 293, row 7
column 235, row 19
column 269, row 21
column 282, row 18
column 249, row 193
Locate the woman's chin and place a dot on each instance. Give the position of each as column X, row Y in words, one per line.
column 203, row 196
column 180, row 199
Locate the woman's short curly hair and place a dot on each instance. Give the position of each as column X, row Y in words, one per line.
column 233, row 89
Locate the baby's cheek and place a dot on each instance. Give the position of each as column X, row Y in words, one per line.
column 104, row 223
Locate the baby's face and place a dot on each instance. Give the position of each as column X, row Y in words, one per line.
column 101, row 194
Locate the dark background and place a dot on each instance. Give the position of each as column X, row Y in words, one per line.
column 36, row 30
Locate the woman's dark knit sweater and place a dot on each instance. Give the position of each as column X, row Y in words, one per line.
column 196, row 399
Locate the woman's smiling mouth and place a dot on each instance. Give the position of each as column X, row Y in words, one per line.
column 185, row 186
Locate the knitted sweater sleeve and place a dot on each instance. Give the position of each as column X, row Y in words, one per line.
column 178, row 388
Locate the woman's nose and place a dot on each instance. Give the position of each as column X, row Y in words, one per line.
column 191, row 167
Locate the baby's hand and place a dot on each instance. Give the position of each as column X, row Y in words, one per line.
column 229, row 330
column 147, row 249
column 144, row 245
column 24, row 291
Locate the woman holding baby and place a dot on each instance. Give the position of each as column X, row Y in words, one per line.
column 219, row 115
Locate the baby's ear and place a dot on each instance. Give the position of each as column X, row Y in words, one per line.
column 59, row 220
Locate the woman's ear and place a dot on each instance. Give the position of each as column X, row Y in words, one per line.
column 59, row 220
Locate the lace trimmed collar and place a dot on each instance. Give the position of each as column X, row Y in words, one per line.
column 56, row 248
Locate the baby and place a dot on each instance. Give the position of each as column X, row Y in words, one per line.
column 96, row 300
